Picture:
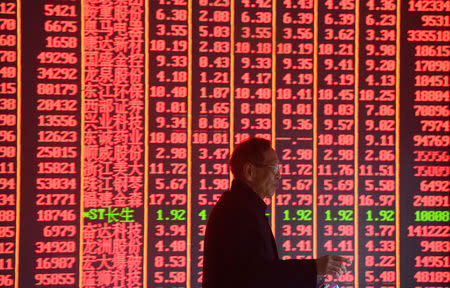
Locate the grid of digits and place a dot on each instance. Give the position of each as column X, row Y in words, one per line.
column 118, row 117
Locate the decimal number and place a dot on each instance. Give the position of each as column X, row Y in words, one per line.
column 203, row 199
column 263, row 3
column 342, row 215
column 175, row 199
column 343, row 245
column 171, row 30
column 174, row 246
column 172, row 261
column 175, row 153
column 174, row 14
column 170, row 277
column 171, row 61
column 172, row 184
column 296, row 230
column 256, row 32
column 217, row 16
column 172, row 230
column 380, row 230
column 218, row 153
column 380, row 261
column 55, row 279
column 380, row 246
column 215, row 46
column 215, row 3
column 338, row 155
column 339, row 124
column 302, row 245
column 342, row 230
column 299, row 215
column 173, row 46
column 385, row 276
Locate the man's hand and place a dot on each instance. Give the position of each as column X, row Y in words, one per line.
column 332, row 265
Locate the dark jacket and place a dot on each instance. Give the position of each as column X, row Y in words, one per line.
column 240, row 250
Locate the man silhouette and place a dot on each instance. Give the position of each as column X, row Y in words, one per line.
column 240, row 250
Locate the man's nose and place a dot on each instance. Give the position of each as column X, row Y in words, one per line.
column 278, row 175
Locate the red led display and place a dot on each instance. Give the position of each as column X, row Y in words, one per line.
column 117, row 120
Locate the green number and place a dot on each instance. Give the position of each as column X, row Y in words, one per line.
column 369, row 215
column 387, row 215
column 203, row 215
column 304, row 215
column 179, row 214
column 160, row 217
column 328, row 215
column 346, row 215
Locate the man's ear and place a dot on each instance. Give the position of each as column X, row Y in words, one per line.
column 248, row 171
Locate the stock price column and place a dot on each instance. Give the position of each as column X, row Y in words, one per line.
column 113, row 174
column 9, row 96
column 50, row 180
column 335, row 132
column 376, row 143
column 211, row 61
column 253, row 69
column 168, row 149
column 252, row 93
column 294, row 127
column 425, row 141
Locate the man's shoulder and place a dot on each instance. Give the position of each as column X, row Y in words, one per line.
column 229, row 208
column 226, row 203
